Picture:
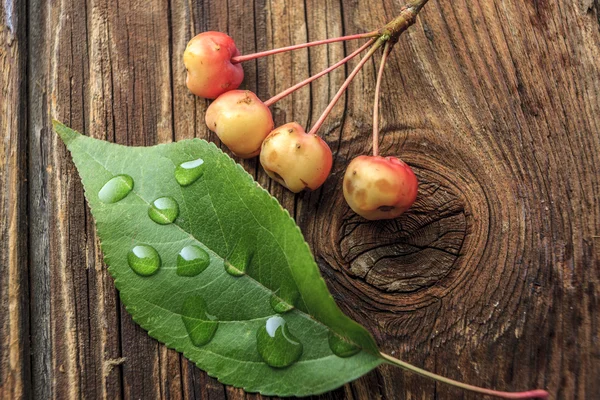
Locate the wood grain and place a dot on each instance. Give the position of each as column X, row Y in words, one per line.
column 14, row 309
column 492, row 278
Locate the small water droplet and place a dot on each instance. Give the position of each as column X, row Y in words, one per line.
column 279, row 305
column 341, row 347
column 144, row 260
column 189, row 172
column 200, row 325
column 241, row 264
column 192, row 260
column 164, row 210
column 233, row 270
column 276, row 344
column 117, row 188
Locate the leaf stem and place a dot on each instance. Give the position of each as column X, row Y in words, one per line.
column 384, row 57
column 530, row 394
column 247, row 57
column 345, row 85
column 299, row 85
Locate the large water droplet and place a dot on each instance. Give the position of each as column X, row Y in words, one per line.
column 192, row 260
column 189, row 172
column 340, row 346
column 276, row 344
column 117, row 188
column 164, row 210
column 279, row 305
column 144, row 260
column 200, row 325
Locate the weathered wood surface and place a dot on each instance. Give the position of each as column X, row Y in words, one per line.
column 492, row 278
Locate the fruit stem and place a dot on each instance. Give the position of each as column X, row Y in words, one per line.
column 407, row 17
column 299, row 85
column 346, row 83
column 384, row 57
column 530, row 394
column 247, row 57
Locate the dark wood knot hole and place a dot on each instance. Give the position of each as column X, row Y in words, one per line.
column 413, row 252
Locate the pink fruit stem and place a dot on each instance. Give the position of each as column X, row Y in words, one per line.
column 384, row 57
column 299, row 85
column 247, row 57
column 345, row 85
column 530, row 394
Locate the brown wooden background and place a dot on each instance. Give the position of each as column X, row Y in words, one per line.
column 492, row 278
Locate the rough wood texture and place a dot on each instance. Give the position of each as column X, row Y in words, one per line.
column 14, row 308
column 492, row 278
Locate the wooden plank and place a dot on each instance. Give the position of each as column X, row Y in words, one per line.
column 14, row 311
column 61, row 73
column 39, row 148
column 492, row 278
column 39, row 140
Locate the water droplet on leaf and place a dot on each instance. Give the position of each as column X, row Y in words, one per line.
column 164, row 210
column 341, row 347
column 143, row 260
column 233, row 270
column 192, row 260
column 189, row 172
column 240, row 267
column 117, row 188
column 279, row 305
column 200, row 325
column 276, row 344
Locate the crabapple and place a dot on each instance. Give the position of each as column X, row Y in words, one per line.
column 241, row 120
column 210, row 71
column 379, row 187
column 296, row 159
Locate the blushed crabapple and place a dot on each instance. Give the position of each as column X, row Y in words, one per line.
column 300, row 160
column 214, row 66
column 210, row 71
column 296, row 159
column 241, row 120
column 379, row 187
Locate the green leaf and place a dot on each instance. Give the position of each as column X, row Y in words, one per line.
column 211, row 265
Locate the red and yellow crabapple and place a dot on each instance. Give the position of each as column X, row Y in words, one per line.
column 241, row 120
column 379, row 187
column 210, row 71
column 296, row 159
